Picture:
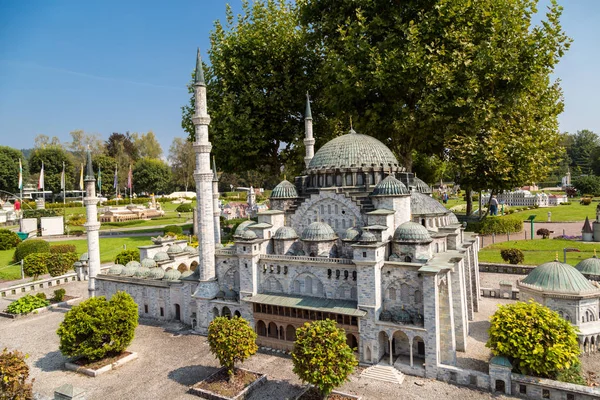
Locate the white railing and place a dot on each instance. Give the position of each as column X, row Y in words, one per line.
column 306, row 258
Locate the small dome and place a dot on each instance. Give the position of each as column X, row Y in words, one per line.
column 248, row 235
column 115, row 269
column 285, row 232
column 352, row 233
column 390, row 186
column 421, row 204
column 128, row 271
column 190, row 249
column 84, row 257
column 185, row 274
column 156, row 273
column 589, row 266
column 385, row 316
column 452, row 219
column 148, row 263
column 172, row 275
column 318, row 231
column 284, row 190
column 230, row 294
column 412, row 232
column 242, row 227
column 557, row 277
column 134, row 264
column 401, row 316
column 142, row 272
column 161, row 256
column 420, row 186
column 368, row 237
column 220, row 294
column 174, row 249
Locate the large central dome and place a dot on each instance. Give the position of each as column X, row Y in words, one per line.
column 353, row 150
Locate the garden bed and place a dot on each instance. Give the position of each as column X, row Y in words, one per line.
column 311, row 393
column 218, row 387
column 102, row 366
column 67, row 300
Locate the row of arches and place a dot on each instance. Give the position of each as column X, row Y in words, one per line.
column 225, row 312
column 590, row 344
column 184, row 267
column 359, row 178
column 401, row 348
column 287, row 333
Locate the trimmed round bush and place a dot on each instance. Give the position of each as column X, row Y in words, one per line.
column 185, row 208
column 8, row 239
column 59, row 294
column 99, row 328
column 499, row 225
column 543, row 232
column 35, row 264
column 512, row 256
column 126, row 256
column 30, row 246
column 63, row 248
column 177, row 230
column 60, row 263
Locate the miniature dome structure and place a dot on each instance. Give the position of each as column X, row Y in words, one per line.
column 84, row 257
column 590, row 268
column 142, row 272
column 128, row 271
column 174, row 249
column 352, row 233
column 390, row 186
column 424, row 204
column 285, row 233
column 248, row 235
column 133, row 264
column 452, row 219
column 148, row 263
column 419, row 186
column 161, row 256
column 284, row 190
column 156, row 273
column 412, row 232
column 318, row 231
column 190, row 249
column 172, row 275
column 557, row 277
column 368, row 237
column 115, row 269
column 242, row 227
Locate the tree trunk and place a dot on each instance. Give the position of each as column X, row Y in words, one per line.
column 468, row 193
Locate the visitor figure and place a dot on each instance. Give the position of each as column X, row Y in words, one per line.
column 17, row 207
column 494, row 206
column 445, row 198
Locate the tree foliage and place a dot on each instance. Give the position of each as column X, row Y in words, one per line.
column 9, row 169
column 127, row 255
column 106, row 164
column 98, row 328
column 53, row 158
column 231, row 340
column 80, row 142
column 183, row 163
column 14, row 373
column 8, row 239
column 583, row 150
column 536, row 339
column 30, row 246
column 321, row 356
column 147, row 145
column 151, row 176
column 587, row 185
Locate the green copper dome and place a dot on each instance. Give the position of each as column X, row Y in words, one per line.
column 174, row 249
column 142, row 272
column 248, row 235
column 284, row 190
column 161, row 256
column 557, row 277
column 318, row 231
column 148, row 263
column 285, row 232
column 242, row 227
column 172, row 275
column 156, row 273
column 412, row 232
column 134, row 264
column 589, row 266
column 115, row 269
column 353, row 150
column 390, row 186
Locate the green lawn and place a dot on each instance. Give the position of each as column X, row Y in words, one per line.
column 109, row 248
column 573, row 212
column 539, row 251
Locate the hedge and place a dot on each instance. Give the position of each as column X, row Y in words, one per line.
column 177, row 230
column 185, row 208
column 63, row 248
column 8, row 239
column 29, row 247
column 123, row 202
column 61, row 205
column 498, row 225
column 39, row 213
column 55, row 264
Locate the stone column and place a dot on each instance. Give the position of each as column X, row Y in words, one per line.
column 92, row 226
column 410, row 350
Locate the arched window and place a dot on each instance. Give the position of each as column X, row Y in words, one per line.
column 404, row 295
column 308, row 285
column 392, row 293
column 261, row 328
column 418, row 297
column 296, row 286
column 353, row 293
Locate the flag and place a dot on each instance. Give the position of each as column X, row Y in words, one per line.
column 129, row 178
column 62, row 178
column 116, row 182
column 20, row 175
column 99, row 178
column 41, row 180
column 81, row 178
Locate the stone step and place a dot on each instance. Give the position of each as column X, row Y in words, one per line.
column 383, row 373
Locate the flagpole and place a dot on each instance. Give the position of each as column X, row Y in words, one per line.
column 64, row 184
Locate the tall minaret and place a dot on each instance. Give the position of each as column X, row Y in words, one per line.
column 204, row 176
column 92, row 226
column 216, row 209
column 309, row 142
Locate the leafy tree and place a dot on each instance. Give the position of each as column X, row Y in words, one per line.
column 9, row 169
column 106, row 164
column 29, row 247
column 230, row 341
column 122, row 148
column 151, row 176
column 431, row 169
column 260, row 70
column 14, row 372
column 147, row 145
column 97, row 328
column 587, row 184
column 53, row 158
column 321, row 356
column 512, row 256
column 585, row 145
column 183, row 163
column 41, row 141
column 80, row 143
column 549, row 347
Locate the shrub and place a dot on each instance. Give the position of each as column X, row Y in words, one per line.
column 76, row 232
column 14, row 372
column 549, row 347
column 499, row 225
column 35, row 264
column 60, row 263
column 566, row 203
column 26, row 304
column 76, row 220
column 572, row 374
column 41, row 296
column 543, row 232
column 512, row 256
column 30, row 246
column 39, row 213
column 586, row 201
column 185, row 208
column 231, row 340
column 63, row 248
column 8, row 239
column 321, row 356
column 59, row 294
column 587, row 184
column 98, row 328
column 127, row 255
column 177, row 230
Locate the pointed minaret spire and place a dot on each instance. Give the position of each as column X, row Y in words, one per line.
column 214, row 168
column 309, row 141
column 92, row 225
column 199, row 76
column 89, row 170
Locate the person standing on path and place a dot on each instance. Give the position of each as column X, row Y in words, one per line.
column 494, row 206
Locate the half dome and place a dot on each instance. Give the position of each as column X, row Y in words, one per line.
column 242, row 227
column 161, row 256
column 353, row 150
column 557, row 277
column 412, row 232
column 318, row 231
column 390, row 186
column 148, row 263
column 352, row 233
column 172, row 275
column 422, row 204
column 589, row 266
column 285, row 233
column 284, row 190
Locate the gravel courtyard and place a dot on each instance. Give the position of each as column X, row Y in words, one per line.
column 170, row 360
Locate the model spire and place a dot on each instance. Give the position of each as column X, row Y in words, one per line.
column 199, row 76
column 309, row 141
column 89, row 171
column 308, row 113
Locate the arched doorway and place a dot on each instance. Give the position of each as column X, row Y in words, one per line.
column 352, row 342
column 215, row 312
column 261, row 328
column 273, row 331
column 384, row 347
column 418, row 349
column 401, row 348
column 193, row 266
column 177, row 312
column 237, row 314
column 500, row 386
column 226, row 312
column 290, row 333
column 182, row 267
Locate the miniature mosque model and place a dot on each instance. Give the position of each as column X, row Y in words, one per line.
column 355, row 239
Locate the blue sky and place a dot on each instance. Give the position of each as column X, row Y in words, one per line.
column 115, row 66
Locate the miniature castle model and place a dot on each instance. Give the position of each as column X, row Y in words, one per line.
column 524, row 198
